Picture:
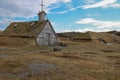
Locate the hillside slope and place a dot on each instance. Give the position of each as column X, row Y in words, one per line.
column 91, row 36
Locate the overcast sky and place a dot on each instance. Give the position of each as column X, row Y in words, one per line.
column 65, row 15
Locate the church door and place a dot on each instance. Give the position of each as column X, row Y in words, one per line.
column 48, row 38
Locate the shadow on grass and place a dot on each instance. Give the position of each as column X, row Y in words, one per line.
column 108, row 51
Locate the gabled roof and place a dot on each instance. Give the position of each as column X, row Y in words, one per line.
column 30, row 29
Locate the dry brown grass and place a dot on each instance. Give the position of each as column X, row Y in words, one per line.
column 78, row 61
column 13, row 41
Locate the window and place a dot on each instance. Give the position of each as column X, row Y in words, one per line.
column 32, row 23
column 15, row 25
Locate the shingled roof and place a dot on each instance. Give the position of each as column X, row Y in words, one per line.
column 29, row 29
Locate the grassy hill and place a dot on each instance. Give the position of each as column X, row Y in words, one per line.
column 77, row 61
column 0, row 32
column 115, row 32
column 91, row 36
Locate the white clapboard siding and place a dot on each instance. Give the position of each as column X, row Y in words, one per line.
column 47, row 36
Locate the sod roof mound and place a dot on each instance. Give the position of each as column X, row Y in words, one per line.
column 31, row 29
column 100, row 36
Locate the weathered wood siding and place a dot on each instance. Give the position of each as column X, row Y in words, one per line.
column 47, row 36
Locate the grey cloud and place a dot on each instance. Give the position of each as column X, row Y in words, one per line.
column 14, row 8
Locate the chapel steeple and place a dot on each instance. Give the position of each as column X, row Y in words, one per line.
column 41, row 14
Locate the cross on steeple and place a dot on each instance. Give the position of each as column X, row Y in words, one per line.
column 41, row 14
column 42, row 5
